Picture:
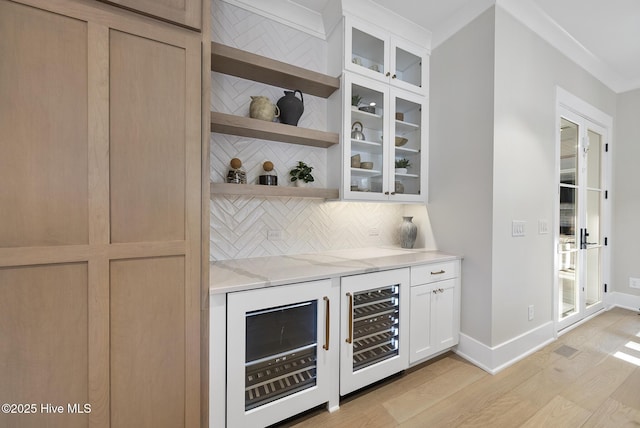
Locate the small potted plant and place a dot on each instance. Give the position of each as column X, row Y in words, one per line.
column 402, row 165
column 355, row 100
column 301, row 174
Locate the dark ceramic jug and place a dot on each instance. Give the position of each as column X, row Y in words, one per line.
column 291, row 107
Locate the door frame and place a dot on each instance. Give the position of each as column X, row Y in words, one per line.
column 565, row 101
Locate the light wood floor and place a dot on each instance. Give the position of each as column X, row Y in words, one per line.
column 590, row 388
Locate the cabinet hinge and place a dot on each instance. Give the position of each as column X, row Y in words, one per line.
column 606, row 241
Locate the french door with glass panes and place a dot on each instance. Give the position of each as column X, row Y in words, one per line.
column 581, row 243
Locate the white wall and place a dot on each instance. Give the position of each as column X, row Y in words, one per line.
column 492, row 161
column 626, row 193
column 461, row 163
column 527, row 71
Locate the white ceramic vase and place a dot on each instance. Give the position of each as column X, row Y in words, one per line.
column 408, row 232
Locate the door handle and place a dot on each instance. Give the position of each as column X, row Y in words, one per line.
column 350, row 336
column 583, row 239
column 327, row 323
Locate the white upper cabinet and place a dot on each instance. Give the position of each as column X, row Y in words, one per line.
column 381, row 112
column 380, row 55
column 382, row 125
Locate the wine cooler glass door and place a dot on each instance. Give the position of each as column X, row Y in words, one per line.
column 374, row 327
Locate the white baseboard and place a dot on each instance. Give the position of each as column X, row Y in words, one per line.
column 623, row 300
column 493, row 359
column 496, row 358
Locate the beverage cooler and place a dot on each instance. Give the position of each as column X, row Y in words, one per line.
column 278, row 346
column 374, row 327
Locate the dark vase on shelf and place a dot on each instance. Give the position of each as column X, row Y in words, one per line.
column 291, row 108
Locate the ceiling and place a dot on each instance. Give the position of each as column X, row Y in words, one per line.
column 607, row 32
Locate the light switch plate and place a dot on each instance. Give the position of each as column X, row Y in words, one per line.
column 543, row 227
column 518, row 228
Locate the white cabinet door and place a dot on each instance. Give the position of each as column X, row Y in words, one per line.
column 409, row 66
column 375, row 115
column 445, row 312
column 421, row 342
column 435, row 318
column 366, row 49
column 380, row 55
column 278, row 357
column 374, row 329
column 408, row 141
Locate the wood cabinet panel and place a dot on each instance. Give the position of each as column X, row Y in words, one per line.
column 44, row 342
column 148, row 139
column 147, row 317
column 182, row 12
column 100, row 108
column 43, row 128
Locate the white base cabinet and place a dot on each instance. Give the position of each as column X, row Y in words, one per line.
column 278, row 351
column 435, row 309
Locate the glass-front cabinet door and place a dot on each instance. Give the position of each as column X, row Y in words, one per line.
column 406, row 180
column 366, row 125
column 379, row 55
column 384, row 128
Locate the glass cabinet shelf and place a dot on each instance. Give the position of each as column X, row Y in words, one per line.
column 404, row 127
column 361, row 171
column 366, row 146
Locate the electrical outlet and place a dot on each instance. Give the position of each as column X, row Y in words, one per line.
column 374, row 231
column 634, row 282
column 517, row 228
column 274, row 235
column 530, row 312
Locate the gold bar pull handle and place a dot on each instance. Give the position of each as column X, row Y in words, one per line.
column 327, row 322
column 350, row 336
column 440, row 272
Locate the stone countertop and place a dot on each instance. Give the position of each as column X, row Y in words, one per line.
column 245, row 274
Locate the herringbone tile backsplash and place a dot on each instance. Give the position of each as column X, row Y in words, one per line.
column 239, row 225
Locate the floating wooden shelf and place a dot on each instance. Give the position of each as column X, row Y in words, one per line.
column 277, row 191
column 254, row 128
column 246, row 65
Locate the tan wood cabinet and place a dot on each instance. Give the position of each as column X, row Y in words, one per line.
column 100, row 208
column 182, row 12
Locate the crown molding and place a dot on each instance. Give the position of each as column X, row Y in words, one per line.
column 322, row 24
column 287, row 13
column 538, row 21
